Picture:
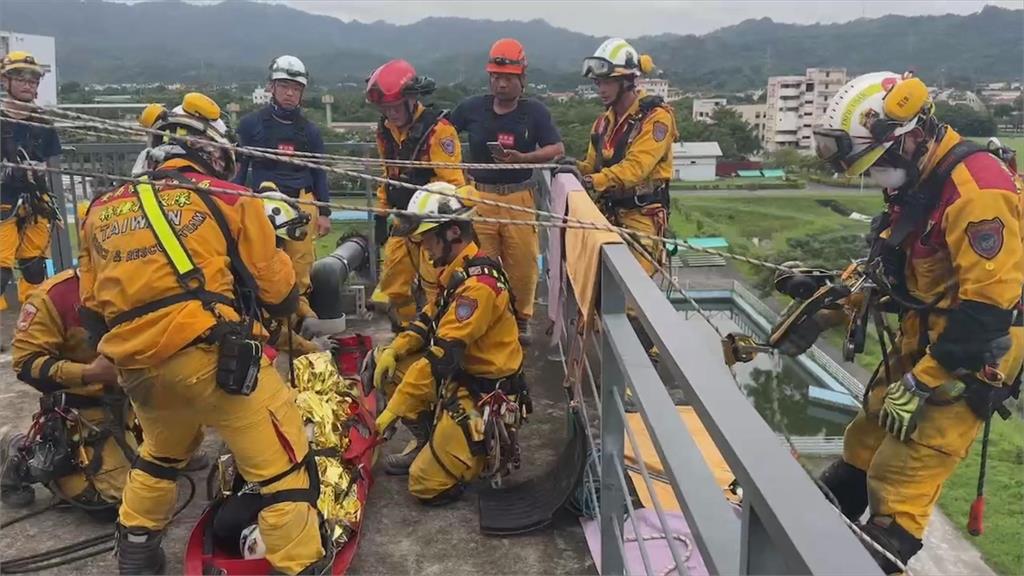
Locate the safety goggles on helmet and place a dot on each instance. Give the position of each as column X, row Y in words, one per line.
column 836, row 147
column 596, row 67
column 502, row 61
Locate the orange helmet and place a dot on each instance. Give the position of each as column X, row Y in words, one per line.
column 507, row 57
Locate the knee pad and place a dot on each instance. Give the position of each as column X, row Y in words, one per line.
column 33, row 270
column 894, row 539
column 849, row 485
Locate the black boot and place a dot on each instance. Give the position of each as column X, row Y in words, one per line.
column 849, row 486
column 894, row 539
column 15, row 490
column 139, row 551
column 398, row 464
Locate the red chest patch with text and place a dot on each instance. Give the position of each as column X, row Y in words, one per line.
column 286, row 147
column 507, row 139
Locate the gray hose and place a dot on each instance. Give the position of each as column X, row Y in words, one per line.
column 330, row 273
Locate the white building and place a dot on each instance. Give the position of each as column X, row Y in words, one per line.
column 955, row 97
column 695, row 161
column 260, row 96
column 704, row 108
column 796, row 103
column 753, row 114
column 44, row 49
column 654, row 86
column 586, row 91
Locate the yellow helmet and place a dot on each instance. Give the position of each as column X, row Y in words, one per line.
column 21, row 62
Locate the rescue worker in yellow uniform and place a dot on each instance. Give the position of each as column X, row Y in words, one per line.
column 408, row 130
column 629, row 161
column 27, row 210
column 950, row 252
column 172, row 282
column 96, row 439
column 467, row 344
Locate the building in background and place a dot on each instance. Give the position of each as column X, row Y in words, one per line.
column 954, row 97
column 704, row 108
column 44, row 48
column 260, row 96
column 795, row 103
column 695, row 161
column 755, row 115
column 654, row 86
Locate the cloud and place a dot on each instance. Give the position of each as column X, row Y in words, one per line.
column 638, row 17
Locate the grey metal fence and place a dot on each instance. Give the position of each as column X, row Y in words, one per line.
column 785, row 526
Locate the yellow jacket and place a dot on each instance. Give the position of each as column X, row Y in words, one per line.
column 442, row 145
column 122, row 268
column 648, row 156
column 971, row 249
column 475, row 333
column 51, row 348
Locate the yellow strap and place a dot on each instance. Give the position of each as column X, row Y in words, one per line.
column 166, row 237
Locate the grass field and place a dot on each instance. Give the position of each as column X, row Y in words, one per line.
column 773, row 221
column 1015, row 142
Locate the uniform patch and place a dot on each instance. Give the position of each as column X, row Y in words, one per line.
column 286, row 147
column 28, row 313
column 507, row 140
column 986, row 237
column 448, row 145
column 660, row 131
column 465, row 307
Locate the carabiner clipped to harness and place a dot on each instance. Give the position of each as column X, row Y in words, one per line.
column 738, row 347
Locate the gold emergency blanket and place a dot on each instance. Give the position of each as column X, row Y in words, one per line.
column 325, row 400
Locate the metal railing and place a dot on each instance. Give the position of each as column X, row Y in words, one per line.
column 785, row 525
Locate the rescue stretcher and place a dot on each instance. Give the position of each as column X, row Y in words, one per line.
column 203, row 557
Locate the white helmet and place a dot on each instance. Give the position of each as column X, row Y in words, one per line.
column 866, row 117
column 616, row 57
column 251, row 543
column 289, row 68
column 288, row 221
column 437, row 202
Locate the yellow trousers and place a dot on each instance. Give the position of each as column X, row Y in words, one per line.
column 302, row 254
column 108, row 480
column 30, row 241
column 515, row 245
column 264, row 431
column 404, row 262
column 904, row 479
column 447, row 460
column 651, row 220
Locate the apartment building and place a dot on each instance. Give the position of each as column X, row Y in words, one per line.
column 796, row 103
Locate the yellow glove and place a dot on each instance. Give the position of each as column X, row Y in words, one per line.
column 387, row 363
column 385, row 421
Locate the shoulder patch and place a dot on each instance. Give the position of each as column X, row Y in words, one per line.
column 28, row 313
column 465, row 307
column 448, row 145
column 986, row 237
column 659, row 131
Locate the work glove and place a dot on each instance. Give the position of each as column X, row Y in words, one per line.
column 567, row 165
column 386, row 423
column 902, row 406
column 387, row 363
column 325, row 344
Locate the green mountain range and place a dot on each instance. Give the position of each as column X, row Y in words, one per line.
column 172, row 41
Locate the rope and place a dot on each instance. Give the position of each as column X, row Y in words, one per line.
column 391, row 182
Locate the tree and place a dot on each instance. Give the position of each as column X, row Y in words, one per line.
column 966, row 120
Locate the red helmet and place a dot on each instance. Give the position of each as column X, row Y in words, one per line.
column 395, row 81
column 507, row 56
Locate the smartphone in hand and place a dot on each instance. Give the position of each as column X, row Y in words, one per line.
column 497, row 150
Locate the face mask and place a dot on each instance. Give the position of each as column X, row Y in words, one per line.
column 887, row 176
